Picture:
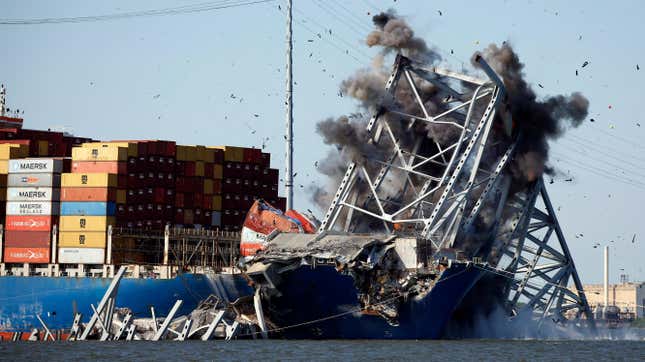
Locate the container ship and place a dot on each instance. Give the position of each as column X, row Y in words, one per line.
column 74, row 209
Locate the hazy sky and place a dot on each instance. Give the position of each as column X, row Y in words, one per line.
column 215, row 71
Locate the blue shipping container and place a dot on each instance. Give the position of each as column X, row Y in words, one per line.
column 96, row 208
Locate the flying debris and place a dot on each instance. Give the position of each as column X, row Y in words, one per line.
column 592, row 120
column 440, row 13
column 585, row 64
column 580, row 37
column 551, row 182
column 576, row 72
column 256, row 115
column 233, row 96
column 156, row 96
column 310, row 40
column 637, row 67
column 316, row 164
column 540, row 85
column 633, row 238
column 568, row 180
column 638, row 124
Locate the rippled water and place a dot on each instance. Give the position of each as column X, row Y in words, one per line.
column 463, row 350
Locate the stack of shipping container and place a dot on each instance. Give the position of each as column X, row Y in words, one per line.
column 145, row 184
column 246, row 176
column 89, row 198
column 33, row 196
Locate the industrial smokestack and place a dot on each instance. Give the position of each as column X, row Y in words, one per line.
column 606, row 279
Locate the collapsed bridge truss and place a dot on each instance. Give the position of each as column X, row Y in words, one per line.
column 442, row 143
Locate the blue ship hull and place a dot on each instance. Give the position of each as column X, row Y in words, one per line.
column 315, row 294
column 56, row 299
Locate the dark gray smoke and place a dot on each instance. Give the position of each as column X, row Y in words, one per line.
column 394, row 34
column 538, row 120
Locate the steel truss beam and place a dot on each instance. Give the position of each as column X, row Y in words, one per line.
column 440, row 192
column 459, row 189
column 537, row 258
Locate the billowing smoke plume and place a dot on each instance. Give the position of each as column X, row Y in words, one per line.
column 394, row 34
column 538, row 120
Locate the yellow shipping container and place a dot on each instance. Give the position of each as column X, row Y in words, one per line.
column 199, row 168
column 231, row 153
column 89, row 180
column 133, row 147
column 218, row 171
column 209, row 155
column 103, row 152
column 85, row 223
column 121, row 196
column 43, row 148
column 186, row 153
column 4, row 167
column 217, row 202
column 83, row 239
column 11, row 150
column 208, row 186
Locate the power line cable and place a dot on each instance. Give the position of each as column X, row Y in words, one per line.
column 331, row 42
column 593, row 144
column 348, row 25
column 185, row 9
column 351, row 15
column 600, row 172
column 624, row 139
column 353, row 46
column 619, row 167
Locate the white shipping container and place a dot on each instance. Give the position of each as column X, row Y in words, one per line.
column 33, row 180
column 32, row 208
column 36, row 165
column 81, row 255
column 33, row 194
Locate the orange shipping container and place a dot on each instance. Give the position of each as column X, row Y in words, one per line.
column 100, row 167
column 30, row 223
column 88, row 194
column 26, row 255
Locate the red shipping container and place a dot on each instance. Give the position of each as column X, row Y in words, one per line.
column 189, row 168
column 100, row 167
column 159, row 195
column 179, row 216
column 179, row 199
column 26, row 255
column 27, row 239
column 252, row 155
column 29, row 223
column 87, row 194
column 207, row 202
column 265, row 160
column 219, row 156
column 198, row 198
column 217, row 186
